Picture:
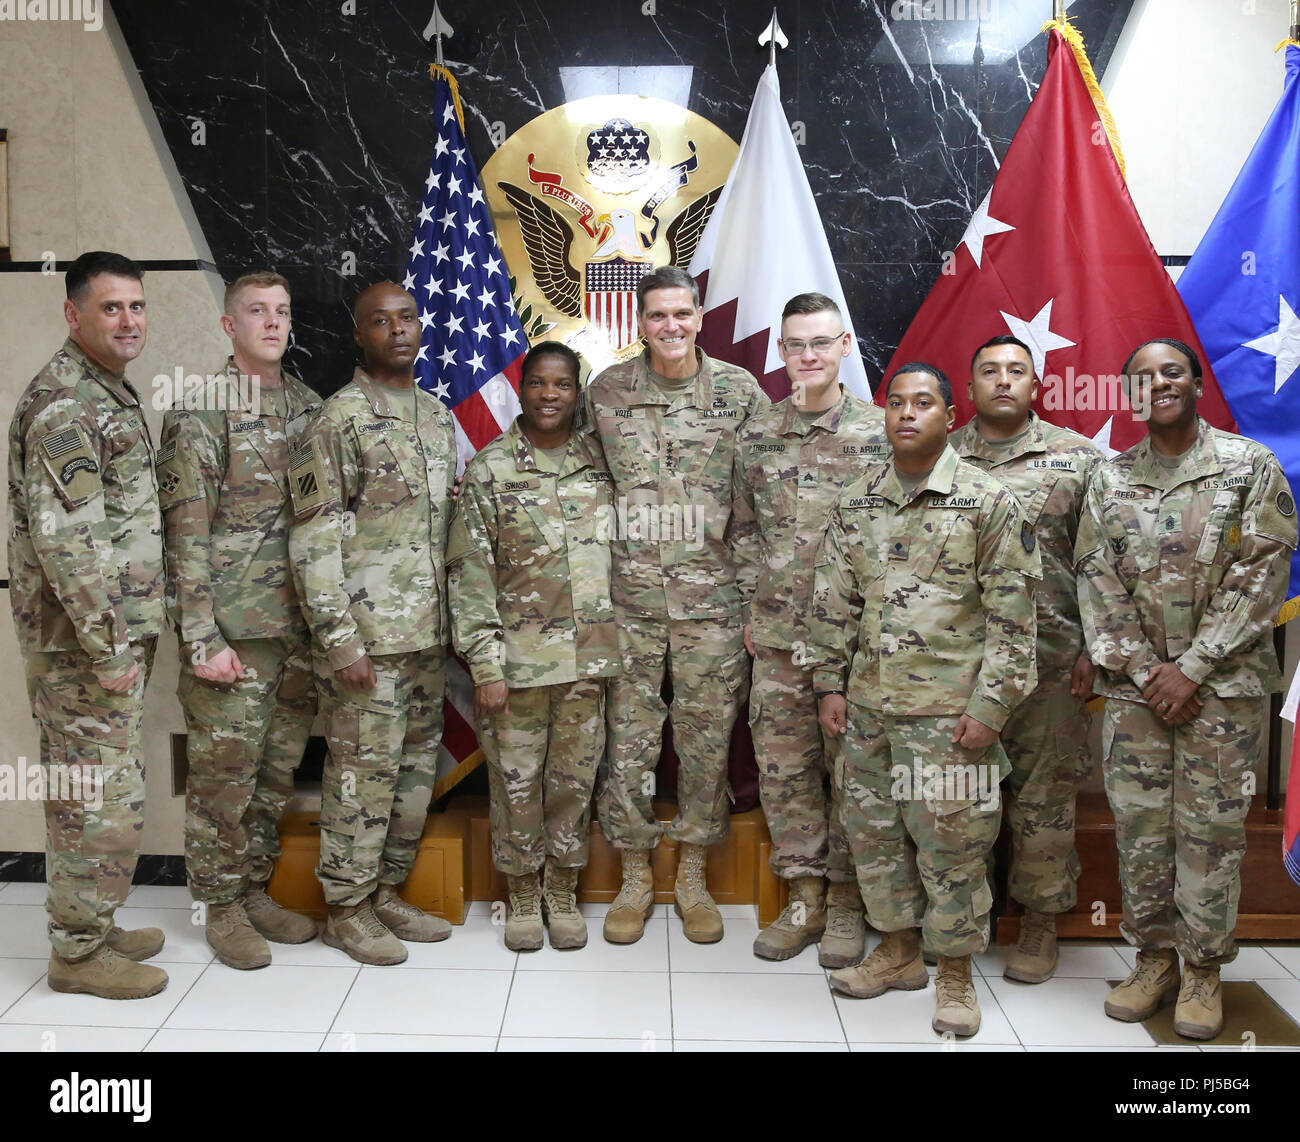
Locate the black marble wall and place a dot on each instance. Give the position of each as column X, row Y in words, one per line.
column 302, row 128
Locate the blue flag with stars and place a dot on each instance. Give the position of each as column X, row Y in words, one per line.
column 471, row 342
column 1242, row 288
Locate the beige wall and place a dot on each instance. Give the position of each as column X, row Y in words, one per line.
column 88, row 169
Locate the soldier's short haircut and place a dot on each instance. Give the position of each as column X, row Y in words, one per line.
column 91, row 264
column 666, row 277
column 1186, row 350
column 551, row 349
column 1003, row 339
column 945, row 385
column 258, row 279
column 806, row 303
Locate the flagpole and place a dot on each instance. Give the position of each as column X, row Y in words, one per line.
column 772, row 35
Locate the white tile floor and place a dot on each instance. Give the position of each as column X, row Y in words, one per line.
column 470, row 994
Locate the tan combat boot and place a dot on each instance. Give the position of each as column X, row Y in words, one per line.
column 277, row 924
column 406, row 921
column 956, row 1009
column 564, row 922
column 802, row 921
column 1150, row 985
column 524, row 919
column 106, row 974
column 895, row 963
column 701, row 920
column 230, row 934
column 625, row 920
column 1199, row 1014
column 1035, row 956
column 355, row 929
column 141, row 944
column 845, row 939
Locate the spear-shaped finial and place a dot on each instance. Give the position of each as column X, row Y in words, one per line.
column 773, row 35
column 438, row 27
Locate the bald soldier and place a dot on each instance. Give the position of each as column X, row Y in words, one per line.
column 86, row 587
column 1182, row 557
column 246, row 678
column 1046, row 739
column 922, row 637
column 371, row 489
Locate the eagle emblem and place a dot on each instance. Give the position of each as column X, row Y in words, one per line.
column 635, row 196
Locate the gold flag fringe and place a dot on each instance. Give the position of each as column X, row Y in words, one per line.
column 436, row 70
column 1074, row 39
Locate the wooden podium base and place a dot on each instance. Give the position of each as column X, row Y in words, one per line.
column 1270, row 902
column 454, row 866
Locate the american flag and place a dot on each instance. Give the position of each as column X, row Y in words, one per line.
column 471, row 343
column 471, row 346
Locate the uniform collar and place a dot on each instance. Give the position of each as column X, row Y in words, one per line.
column 701, row 396
column 792, row 423
column 296, row 392
column 115, row 383
column 1202, row 460
column 521, row 448
column 969, row 443
column 939, row 480
column 379, row 396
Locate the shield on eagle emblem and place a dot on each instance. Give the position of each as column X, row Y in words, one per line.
column 589, row 198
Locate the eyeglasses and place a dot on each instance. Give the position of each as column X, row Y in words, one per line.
column 817, row 345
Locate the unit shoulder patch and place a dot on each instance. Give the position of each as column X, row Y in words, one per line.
column 68, row 458
column 176, row 483
column 307, row 482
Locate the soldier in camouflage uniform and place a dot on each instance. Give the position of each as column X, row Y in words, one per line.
column 1046, row 739
column 666, row 422
column 371, row 490
column 86, row 587
column 922, row 636
column 246, row 683
column 1183, row 555
column 528, row 576
column 791, row 462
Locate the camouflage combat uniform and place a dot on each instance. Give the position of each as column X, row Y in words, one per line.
column 528, row 572
column 790, row 471
column 86, row 587
column 1186, row 565
column 223, row 468
column 923, row 612
column 371, row 490
column 1046, row 739
column 676, row 599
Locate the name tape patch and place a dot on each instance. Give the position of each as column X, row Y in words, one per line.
column 248, row 425
column 866, row 501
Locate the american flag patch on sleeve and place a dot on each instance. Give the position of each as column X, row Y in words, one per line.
column 60, row 443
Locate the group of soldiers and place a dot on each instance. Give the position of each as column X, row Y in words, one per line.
column 925, row 617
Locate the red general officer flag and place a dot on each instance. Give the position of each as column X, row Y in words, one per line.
column 1057, row 255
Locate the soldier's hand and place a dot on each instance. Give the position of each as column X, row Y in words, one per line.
column 1082, row 676
column 223, row 667
column 123, row 682
column 749, row 639
column 359, row 676
column 1168, row 690
column 973, row 734
column 455, row 489
column 491, row 698
column 833, row 714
